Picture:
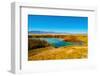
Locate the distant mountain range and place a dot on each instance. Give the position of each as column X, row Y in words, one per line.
column 44, row 32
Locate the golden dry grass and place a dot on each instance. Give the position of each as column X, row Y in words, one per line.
column 75, row 52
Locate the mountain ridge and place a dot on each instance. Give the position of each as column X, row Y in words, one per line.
column 47, row 32
column 44, row 32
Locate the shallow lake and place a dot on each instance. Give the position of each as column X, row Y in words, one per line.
column 56, row 42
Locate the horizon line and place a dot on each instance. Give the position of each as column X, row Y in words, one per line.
column 56, row 31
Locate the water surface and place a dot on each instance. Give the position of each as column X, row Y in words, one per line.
column 56, row 42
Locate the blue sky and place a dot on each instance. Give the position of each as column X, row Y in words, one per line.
column 64, row 24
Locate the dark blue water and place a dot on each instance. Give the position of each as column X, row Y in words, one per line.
column 56, row 42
